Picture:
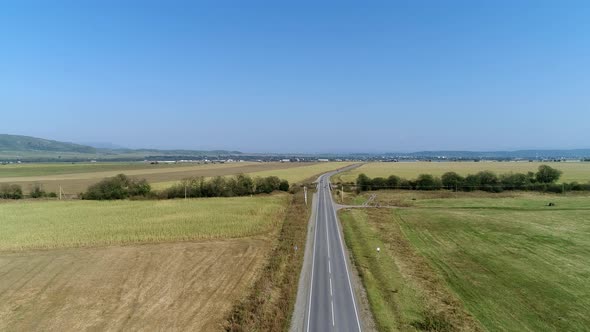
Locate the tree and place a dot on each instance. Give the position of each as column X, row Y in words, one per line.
column 284, row 185
column 393, row 181
column 547, row 174
column 452, row 180
column 363, row 182
column 428, row 182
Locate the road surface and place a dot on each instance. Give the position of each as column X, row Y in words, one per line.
column 331, row 305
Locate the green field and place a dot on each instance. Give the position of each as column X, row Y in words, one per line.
column 572, row 171
column 56, row 224
column 510, row 262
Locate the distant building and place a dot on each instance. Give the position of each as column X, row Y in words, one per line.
column 285, row 160
column 323, row 160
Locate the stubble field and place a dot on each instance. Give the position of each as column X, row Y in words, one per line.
column 132, row 265
column 572, row 171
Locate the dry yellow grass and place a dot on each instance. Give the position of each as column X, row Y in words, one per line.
column 78, row 180
column 575, row 171
column 174, row 286
column 291, row 174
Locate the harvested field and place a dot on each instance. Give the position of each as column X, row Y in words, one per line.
column 572, row 171
column 182, row 286
column 79, row 179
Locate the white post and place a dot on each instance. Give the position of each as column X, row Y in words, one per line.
column 185, row 191
column 60, row 192
column 305, row 194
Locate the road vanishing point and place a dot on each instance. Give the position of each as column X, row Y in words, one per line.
column 331, row 305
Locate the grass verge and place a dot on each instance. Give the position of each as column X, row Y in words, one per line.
column 404, row 292
column 269, row 305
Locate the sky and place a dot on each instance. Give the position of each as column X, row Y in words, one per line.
column 298, row 76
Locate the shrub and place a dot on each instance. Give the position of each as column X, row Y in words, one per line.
column 284, row 185
column 37, row 191
column 11, row 191
column 118, row 187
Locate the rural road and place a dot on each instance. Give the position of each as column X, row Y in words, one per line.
column 330, row 303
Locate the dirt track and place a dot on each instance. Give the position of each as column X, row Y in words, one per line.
column 177, row 286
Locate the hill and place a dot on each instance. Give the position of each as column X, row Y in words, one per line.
column 16, row 143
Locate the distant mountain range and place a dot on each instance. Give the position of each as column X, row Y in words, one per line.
column 15, row 143
column 26, row 148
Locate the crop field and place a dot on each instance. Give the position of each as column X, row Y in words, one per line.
column 75, row 178
column 292, row 174
column 574, row 171
column 55, row 224
column 132, row 265
column 475, row 261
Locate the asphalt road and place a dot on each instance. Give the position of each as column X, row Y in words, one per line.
column 331, row 305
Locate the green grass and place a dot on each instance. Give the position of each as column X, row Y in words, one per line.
column 58, row 224
column 574, row 171
column 512, row 262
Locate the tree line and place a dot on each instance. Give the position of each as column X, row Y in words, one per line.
column 124, row 187
column 543, row 180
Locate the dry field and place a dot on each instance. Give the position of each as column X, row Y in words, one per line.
column 79, row 178
column 132, row 265
column 574, row 171
column 176, row 286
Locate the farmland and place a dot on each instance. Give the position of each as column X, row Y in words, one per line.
column 75, row 178
column 471, row 261
column 574, row 171
column 72, row 265
column 54, row 224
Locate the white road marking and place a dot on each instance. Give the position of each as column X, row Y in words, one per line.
column 333, row 322
column 346, row 265
column 331, row 287
column 312, row 265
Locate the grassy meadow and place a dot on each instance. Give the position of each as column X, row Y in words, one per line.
column 471, row 261
column 572, row 171
column 59, row 224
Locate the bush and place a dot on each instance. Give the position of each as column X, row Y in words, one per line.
column 284, row 185
column 12, row 191
column 37, row 191
column 118, row 187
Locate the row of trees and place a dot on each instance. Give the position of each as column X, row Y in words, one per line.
column 122, row 186
column 240, row 185
column 543, row 180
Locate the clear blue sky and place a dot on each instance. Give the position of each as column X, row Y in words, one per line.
column 298, row 76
